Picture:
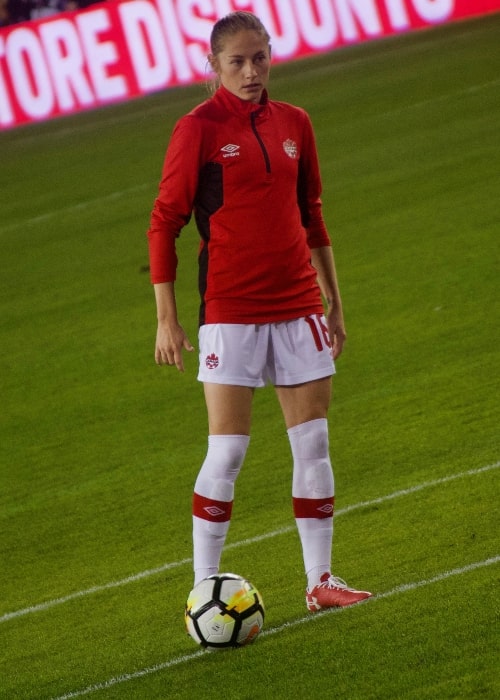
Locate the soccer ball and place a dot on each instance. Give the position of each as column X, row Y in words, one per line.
column 224, row 611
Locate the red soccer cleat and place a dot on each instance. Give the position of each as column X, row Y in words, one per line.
column 332, row 592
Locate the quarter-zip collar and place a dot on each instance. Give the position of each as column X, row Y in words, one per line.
column 240, row 107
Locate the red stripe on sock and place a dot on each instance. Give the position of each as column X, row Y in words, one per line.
column 208, row 509
column 313, row 507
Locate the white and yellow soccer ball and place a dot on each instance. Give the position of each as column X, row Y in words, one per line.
column 224, row 611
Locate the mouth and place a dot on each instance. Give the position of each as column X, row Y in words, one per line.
column 252, row 86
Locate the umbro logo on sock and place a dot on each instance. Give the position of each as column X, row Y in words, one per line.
column 214, row 511
column 327, row 508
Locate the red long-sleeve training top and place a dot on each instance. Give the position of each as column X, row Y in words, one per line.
column 250, row 174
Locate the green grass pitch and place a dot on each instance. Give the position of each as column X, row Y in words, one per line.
column 100, row 447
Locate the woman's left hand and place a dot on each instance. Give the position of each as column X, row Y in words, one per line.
column 336, row 330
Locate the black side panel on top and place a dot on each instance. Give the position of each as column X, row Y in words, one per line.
column 209, row 198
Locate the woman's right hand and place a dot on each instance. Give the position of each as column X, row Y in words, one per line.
column 171, row 340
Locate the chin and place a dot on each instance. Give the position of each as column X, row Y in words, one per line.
column 252, row 97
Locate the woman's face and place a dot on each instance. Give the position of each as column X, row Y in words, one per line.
column 243, row 65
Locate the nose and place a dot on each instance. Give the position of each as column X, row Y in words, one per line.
column 250, row 69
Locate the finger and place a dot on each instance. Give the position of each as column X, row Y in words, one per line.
column 337, row 345
column 178, row 361
column 163, row 357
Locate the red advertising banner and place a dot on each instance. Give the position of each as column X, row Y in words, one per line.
column 121, row 49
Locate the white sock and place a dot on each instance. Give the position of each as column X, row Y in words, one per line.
column 313, row 495
column 213, row 500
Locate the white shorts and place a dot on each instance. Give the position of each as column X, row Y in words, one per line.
column 282, row 354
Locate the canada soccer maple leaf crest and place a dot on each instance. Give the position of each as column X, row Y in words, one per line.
column 212, row 361
column 290, row 148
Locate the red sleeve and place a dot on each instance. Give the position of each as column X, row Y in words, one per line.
column 174, row 204
column 309, row 190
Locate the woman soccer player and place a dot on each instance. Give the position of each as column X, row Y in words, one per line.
column 247, row 167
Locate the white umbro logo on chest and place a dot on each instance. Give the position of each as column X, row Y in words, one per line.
column 230, row 150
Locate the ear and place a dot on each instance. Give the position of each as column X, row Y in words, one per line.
column 213, row 63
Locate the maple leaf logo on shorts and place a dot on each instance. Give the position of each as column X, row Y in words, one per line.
column 212, row 361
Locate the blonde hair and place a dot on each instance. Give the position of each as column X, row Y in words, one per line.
column 230, row 25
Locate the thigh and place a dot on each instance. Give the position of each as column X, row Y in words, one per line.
column 301, row 351
column 305, row 402
column 229, row 408
column 233, row 354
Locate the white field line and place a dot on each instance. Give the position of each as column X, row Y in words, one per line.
column 119, row 194
column 81, row 206
column 187, row 658
column 432, row 100
column 251, row 540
